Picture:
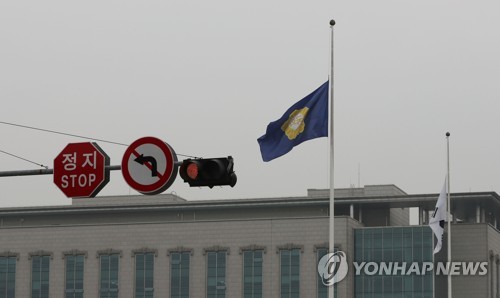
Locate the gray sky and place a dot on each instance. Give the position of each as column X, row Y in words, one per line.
column 208, row 76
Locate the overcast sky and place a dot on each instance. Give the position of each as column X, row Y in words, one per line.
column 208, row 76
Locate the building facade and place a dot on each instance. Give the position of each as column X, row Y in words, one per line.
column 165, row 246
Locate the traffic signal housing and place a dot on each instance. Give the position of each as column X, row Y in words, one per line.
column 208, row 171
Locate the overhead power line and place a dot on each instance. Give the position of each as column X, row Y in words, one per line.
column 72, row 135
column 16, row 156
column 61, row 133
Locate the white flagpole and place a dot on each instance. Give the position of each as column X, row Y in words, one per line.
column 332, row 208
column 448, row 210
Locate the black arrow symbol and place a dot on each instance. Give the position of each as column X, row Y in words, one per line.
column 143, row 159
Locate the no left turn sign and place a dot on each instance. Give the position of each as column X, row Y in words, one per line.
column 149, row 165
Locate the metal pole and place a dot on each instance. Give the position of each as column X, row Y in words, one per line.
column 448, row 206
column 332, row 187
column 43, row 172
column 51, row 171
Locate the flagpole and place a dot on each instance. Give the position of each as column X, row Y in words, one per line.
column 448, row 207
column 332, row 191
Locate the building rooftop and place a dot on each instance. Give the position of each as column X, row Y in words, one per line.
column 371, row 196
column 128, row 200
column 367, row 191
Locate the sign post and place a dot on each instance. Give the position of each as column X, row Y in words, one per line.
column 149, row 165
column 81, row 170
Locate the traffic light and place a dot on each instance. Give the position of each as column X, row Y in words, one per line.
column 208, row 171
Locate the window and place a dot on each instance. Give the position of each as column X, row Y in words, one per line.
column 322, row 290
column 290, row 272
column 252, row 273
column 144, row 273
column 108, row 283
column 7, row 277
column 393, row 244
column 216, row 274
column 74, row 276
column 179, row 274
column 40, row 276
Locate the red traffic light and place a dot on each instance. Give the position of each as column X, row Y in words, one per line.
column 208, row 171
column 192, row 170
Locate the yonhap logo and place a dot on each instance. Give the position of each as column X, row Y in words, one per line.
column 333, row 268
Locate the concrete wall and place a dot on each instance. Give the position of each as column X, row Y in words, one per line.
column 469, row 242
column 376, row 217
column 494, row 262
column 399, row 217
column 304, row 232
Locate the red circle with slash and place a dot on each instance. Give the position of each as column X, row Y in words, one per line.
column 149, row 165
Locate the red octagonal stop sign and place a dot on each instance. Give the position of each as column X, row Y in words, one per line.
column 80, row 170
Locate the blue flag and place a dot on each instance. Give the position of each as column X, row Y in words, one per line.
column 305, row 120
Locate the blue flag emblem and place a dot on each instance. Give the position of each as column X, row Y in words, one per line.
column 305, row 120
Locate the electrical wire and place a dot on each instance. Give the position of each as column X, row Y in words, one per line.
column 61, row 133
column 71, row 135
column 46, row 167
